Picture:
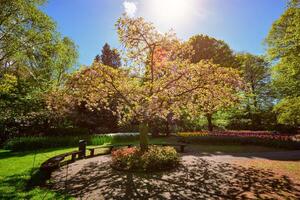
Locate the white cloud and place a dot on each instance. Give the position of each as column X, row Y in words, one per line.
column 130, row 8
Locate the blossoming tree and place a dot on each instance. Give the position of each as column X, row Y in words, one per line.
column 159, row 78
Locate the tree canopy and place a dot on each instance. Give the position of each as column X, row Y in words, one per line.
column 165, row 80
column 34, row 57
column 258, row 96
column 283, row 43
column 209, row 48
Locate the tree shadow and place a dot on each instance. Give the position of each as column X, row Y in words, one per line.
column 196, row 179
column 16, row 187
column 10, row 154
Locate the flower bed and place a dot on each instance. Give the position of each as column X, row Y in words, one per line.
column 264, row 138
column 155, row 159
column 193, row 134
column 256, row 134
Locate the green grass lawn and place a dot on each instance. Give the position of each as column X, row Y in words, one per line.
column 17, row 168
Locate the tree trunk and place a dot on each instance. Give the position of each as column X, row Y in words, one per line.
column 144, row 136
column 209, row 122
column 255, row 117
column 168, row 131
column 169, row 124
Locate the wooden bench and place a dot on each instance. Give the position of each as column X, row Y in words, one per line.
column 54, row 162
column 181, row 145
column 92, row 150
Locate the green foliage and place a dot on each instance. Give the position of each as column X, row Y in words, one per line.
column 218, row 52
column 8, row 83
column 255, row 71
column 63, row 57
column 30, row 46
column 33, row 143
column 43, row 142
column 257, row 97
column 102, row 119
column 23, row 27
column 189, row 123
column 222, row 119
column 286, row 77
column 36, row 58
column 209, row 48
column 243, row 117
column 155, row 159
column 66, row 131
column 283, row 46
column 283, row 38
column 288, row 110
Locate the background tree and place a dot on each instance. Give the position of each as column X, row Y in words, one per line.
column 209, row 48
column 283, row 43
column 218, row 52
column 288, row 111
column 217, row 98
column 109, row 57
column 258, row 95
column 100, row 120
column 32, row 51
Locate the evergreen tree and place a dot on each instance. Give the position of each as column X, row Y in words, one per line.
column 109, row 57
column 97, row 59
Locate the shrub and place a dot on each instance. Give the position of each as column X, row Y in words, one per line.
column 43, row 142
column 35, row 143
column 66, row 131
column 155, row 159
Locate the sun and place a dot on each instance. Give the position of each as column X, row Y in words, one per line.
column 170, row 9
column 173, row 12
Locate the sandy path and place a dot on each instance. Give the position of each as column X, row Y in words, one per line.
column 278, row 155
column 200, row 177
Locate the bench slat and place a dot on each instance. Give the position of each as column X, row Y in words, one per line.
column 54, row 162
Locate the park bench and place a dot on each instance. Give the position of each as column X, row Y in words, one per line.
column 182, row 146
column 54, row 162
column 92, row 150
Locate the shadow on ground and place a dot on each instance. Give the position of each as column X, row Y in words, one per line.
column 18, row 186
column 196, row 179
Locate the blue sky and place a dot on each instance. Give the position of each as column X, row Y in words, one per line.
column 243, row 24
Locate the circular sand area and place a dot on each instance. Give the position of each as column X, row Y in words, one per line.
column 199, row 177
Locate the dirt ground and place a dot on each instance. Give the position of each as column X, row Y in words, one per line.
column 199, row 177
